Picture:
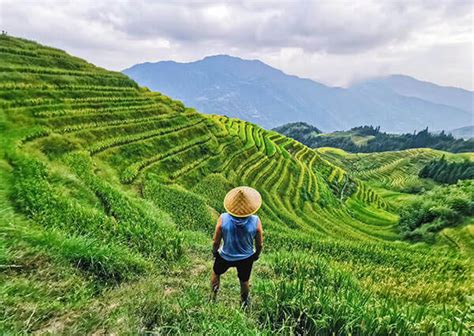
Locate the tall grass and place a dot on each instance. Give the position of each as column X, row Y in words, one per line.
column 311, row 297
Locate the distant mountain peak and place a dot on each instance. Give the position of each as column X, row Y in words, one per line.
column 223, row 57
column 229, row 59
column 237, row 87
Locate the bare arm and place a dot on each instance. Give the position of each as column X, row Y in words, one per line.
column 217, row 237
column 258, row 240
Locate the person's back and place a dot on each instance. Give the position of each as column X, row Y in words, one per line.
column 238, row 235
column 239, row 229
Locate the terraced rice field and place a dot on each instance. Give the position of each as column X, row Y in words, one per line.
column 110, row 194
column 390, row 170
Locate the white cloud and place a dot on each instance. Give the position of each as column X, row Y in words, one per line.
column 335, row 42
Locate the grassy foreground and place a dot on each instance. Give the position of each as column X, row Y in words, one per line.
column 108, row 198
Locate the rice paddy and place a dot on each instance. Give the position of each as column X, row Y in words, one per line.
column 109, row 196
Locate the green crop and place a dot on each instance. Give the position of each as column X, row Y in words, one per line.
column 109, row 194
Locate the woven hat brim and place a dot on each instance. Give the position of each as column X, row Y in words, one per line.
column 241, row 216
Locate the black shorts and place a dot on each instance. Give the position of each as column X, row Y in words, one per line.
column 244, row 267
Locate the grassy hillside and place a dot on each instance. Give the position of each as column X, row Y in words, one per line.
column 395, row 171
column 395, row 177
column 108, row 198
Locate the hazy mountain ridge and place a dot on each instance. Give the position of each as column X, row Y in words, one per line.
column 256, row 92
column 411, row 87
column 466, row 132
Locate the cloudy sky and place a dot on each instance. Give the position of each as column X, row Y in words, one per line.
column 334, row 42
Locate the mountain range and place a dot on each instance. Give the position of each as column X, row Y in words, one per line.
column 256, row 92
column 466, row 132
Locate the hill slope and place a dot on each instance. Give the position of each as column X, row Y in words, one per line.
column 393, row 171
column 256, row 92
column 395, row 176
column 109, row 194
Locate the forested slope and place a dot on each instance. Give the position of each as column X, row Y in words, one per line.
column 369, row 139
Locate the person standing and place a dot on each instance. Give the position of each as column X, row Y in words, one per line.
column 242, row 235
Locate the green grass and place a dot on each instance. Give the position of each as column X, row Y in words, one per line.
column 109, row 194
column 359, row 140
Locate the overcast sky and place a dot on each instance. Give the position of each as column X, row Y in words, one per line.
column 334, row 42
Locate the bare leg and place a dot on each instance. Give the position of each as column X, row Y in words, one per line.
column 215, row 282
column 244, row 291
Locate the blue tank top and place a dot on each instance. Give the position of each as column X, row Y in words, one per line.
column 238, row 235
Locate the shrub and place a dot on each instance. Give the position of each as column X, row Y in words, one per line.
column 56, row 145
column 413, row 187
column 437, row 209
column 461, row 204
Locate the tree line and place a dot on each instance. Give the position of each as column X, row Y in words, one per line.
column 379, row 141
column 443, row 171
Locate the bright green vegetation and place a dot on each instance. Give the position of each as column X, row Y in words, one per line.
column 368, row 139
column 439, row 208
column 109, row 194
column 426, row 208
column 397, row 171
column 443, row 171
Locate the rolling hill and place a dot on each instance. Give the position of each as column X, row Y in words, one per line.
column 393, row 171
column 109, row 195
column 395, row 176
column 253, row 91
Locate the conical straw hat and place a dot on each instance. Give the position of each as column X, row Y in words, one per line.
column 242, row 201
